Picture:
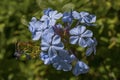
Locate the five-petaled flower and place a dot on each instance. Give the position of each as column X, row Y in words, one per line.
column 62, row 61
column 51, row 42
column 51, row 17
column 84, row 17
column 80, row 68
column 79, row 35
column 37, row 28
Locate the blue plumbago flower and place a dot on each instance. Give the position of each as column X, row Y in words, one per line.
column 60, row 64
column 67, row 17
column 62, row 60
column 80, row 68
column 37, row 28
column 84, row 17
column 51, row 42
column 91, row 47
column 51, row 17
column 44, row 57
column 81, row 36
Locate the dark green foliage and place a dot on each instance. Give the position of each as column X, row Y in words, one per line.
column 14, row 18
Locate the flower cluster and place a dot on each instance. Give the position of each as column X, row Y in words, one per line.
column 53, row 37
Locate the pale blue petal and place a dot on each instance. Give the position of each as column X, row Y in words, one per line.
column 38, row 24
column 36, row 35
column 81, row 29
column 92, row 18
column 90, row 42
column 44, row 26
column 31, row 28
column 87, row 19
column 52, row 22
column 89, row 51
column 82, row 42
column 56, row 59
column 76, row 15
column 58, row 16
column 44, row 45
column 56, row 39
column 74, row 39
column 44, row 57
column 51, row 52
column 44, row 18
column 67, row 17
column 82, row 14
column 87, row 33
column 74, row 31
column 58, row 46
column 52, row 14
column 46, row 11
column 47, row 61
column 80, row 68
column 46, row 39
column 31, row 24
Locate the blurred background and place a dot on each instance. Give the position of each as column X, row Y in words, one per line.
column 15, row 16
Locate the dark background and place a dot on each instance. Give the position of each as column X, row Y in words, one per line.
column 15, row 16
